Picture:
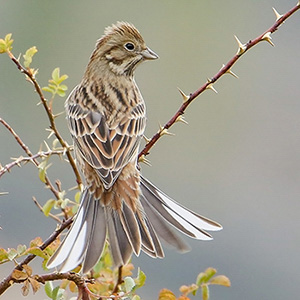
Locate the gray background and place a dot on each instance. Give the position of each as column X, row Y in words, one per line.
column 236, row 162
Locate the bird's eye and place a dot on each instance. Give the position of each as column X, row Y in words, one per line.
column 129, row 46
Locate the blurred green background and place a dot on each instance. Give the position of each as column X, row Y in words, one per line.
column 236, row 162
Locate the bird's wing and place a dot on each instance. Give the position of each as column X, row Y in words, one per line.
column 106, row 148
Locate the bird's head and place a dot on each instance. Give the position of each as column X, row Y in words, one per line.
column 121, row 49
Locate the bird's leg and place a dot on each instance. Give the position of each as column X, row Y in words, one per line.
column 119, row 281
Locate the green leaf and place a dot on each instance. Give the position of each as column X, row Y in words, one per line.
column 55, row 74
column 12, row 253
column 21, row 249
column 136, row 297
column 58, row 294
column 141, row 278
column 129, row 284
column 47, row 89
column 6, row 43
column 220, row 280
column 60, row 92
column 36, row 242
column 205, row 292
column 49, row 288
column 206, row 276
column 43, row 170
column 201, row 278
column 28, row 56
column 210, row 272
column 55, row 86
column 77, row 197
column 48, row 206
column 3, row 254
column 62, row 78
column 42, row 175
column 37, row 252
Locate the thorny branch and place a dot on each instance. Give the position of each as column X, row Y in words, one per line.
column 187, row 99
column 78, row 280
column 7, row 282
column 50, row 115
column 32, row 158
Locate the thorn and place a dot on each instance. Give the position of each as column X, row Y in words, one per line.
column 3, row 193
column 184, row 96
column 211, row 87
column 277, row 14
column 51, row 132
column 48, row 148
column 242, row 47
column 146, row 139
column 57, row 115
column 181, row 119
column 267, row 37
column 164, row 131
column 144, row 160
column 230, row 72
column 17, row 160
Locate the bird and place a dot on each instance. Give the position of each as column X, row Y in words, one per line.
column 106, row 115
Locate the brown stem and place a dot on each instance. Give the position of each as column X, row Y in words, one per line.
column 225, row 69
column 119, row 280
column 49, row 114
column 8, row 281
column 31, row 158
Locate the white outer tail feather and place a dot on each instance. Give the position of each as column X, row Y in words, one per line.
column 84, row 233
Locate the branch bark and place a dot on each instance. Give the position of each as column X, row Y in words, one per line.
column 243, row 48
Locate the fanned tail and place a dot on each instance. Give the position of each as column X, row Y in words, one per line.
column 129, row 229
column 84, row 242
column 163, row 211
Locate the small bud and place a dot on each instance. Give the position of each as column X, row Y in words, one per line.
column 277, row 14
column 184, row 96
column 267, row 37
column 180, row 118
column 242, row 47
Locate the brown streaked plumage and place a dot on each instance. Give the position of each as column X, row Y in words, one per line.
column 106, row 116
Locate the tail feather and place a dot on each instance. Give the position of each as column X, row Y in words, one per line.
column 72, row 249
column 128, row 230
column 158, row 251
column 131, row 227
column 161, row 227
column 97, row 239
column 179, row 216
column 150, row 242
column 120, row 246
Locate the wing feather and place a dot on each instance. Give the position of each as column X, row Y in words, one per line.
column 107, row 147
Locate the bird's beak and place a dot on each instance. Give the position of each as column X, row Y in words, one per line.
column 149, row 54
